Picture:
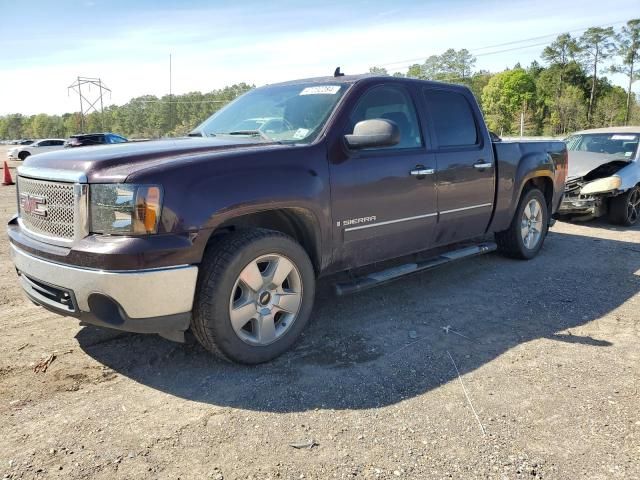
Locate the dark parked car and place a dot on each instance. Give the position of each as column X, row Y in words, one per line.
column 86, row 139
column 225, row 232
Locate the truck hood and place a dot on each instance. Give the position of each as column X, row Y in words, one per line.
column 581, row 163
column 113, row 163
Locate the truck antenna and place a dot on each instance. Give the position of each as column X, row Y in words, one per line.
column 338, row 73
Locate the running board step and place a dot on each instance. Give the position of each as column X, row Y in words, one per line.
column 378, row 278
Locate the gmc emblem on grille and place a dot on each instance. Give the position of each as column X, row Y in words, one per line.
column 33, row 204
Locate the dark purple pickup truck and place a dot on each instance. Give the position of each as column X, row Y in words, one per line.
column 226, row 231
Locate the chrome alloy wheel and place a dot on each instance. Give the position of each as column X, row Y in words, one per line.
column 265, row 299
column 531, row 226
column 633, row 206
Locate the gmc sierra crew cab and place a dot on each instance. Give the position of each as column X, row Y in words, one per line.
column 225, row 231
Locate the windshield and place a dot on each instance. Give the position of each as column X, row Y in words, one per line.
column 282, row 113
column 620, row 144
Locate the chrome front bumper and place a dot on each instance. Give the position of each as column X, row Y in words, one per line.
column 146, row 301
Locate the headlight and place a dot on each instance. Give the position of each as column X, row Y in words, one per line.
column 124, row 209
column 601, row 185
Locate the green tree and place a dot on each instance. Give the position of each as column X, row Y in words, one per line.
column 549, row 94
column 570, row 112
column 560, row 54
column 507, row 95
column 596, row 45
column 610, row 110
column 378, row 71
column 415, row 71
column 453, row 66
column 15, row 125
column 628, row 48
column 477, row 82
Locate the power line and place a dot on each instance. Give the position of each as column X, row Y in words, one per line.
column 410, row 61
column 548, row 35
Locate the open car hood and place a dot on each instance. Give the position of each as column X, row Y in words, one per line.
column 581, row 163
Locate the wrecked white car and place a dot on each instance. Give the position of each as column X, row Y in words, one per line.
column 604, row 175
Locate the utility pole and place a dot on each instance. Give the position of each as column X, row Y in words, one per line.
column 88, row 105
column 170, row 99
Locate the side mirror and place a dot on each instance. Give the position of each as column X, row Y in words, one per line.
column 373, row 133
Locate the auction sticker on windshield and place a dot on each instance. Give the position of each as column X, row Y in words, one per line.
column 321, row 90
column 623, row 137
column 301, row 133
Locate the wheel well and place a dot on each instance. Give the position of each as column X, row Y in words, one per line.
column 545, row 185
column 299, row 224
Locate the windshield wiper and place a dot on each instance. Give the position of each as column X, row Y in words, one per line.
column 200, row 133
column 251, row 133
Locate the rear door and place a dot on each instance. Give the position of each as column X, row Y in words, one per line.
column 383, row 199
column 465, row 176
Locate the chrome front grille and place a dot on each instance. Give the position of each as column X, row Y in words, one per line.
column 54, row 215
column 573, row 187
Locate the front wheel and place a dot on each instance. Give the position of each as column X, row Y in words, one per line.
column 525, row 236
column 255, row 295
column 625, row 208
column 23, row 155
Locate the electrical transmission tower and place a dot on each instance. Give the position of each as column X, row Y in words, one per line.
column 89, row 103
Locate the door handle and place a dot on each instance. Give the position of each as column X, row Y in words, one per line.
column 421, row 172
column 481, row 164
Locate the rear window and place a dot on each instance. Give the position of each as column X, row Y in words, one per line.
column 452, row 118
column 91, row 139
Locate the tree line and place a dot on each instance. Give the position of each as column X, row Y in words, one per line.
column 147, row 116
column 567, row 91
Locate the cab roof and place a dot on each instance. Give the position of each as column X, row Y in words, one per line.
column 351, row 79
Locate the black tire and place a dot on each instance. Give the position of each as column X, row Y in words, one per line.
column 23, row 155
column 510, row 242
column 221, row 267
column 625, row 208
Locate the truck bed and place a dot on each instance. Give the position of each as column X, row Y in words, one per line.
column 513, row 162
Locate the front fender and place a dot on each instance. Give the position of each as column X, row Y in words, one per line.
column 629, row 175
column 203, row 192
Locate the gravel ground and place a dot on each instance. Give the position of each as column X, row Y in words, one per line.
column 547, row 354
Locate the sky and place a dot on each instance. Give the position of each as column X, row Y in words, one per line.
column 45, row 45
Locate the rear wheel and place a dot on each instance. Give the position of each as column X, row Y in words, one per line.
column 23, row 155
column 525, row 236
column 255, row 294
column 625, row 208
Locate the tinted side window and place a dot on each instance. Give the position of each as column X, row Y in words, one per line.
column 390, row 103
column 93, row 140
column 57, row 142
column 452, row 118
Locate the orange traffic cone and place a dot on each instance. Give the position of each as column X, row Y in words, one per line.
column 7, row 175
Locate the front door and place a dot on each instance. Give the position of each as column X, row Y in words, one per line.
column 383, row 199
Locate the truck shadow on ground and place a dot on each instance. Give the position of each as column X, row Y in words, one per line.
column 392, row 343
